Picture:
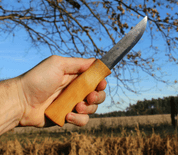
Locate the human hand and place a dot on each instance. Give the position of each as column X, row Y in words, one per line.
column 42, row 84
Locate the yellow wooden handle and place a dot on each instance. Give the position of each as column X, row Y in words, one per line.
column 76, row 92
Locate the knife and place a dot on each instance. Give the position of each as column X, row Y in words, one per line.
column 87, row 82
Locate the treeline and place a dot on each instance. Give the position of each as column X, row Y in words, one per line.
column 146, row 107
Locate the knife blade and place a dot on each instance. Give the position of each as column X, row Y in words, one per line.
column 115, row 54
column 87, row 82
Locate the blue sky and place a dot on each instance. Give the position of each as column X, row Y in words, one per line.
column 17, row 57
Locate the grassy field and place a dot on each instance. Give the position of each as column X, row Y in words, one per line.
column 147, row 135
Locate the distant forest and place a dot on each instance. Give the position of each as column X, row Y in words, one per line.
column 146, row 107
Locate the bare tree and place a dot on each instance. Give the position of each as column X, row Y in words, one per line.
column 80, row 28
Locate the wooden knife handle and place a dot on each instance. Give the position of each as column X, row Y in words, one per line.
column 76, row 92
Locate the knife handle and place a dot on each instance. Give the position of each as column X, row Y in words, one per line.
column 76, row 92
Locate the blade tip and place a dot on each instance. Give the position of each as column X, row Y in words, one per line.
column 145, row 18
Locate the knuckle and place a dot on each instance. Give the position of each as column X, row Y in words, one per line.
column 55, row 59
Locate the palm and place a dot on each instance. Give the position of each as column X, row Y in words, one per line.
column 41, row 87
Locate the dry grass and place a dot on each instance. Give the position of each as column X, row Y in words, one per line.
column 110, row 122
column 80, row 144
column 104, row 137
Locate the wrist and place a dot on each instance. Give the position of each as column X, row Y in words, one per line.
column 11, row 105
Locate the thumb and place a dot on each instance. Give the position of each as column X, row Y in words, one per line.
column 75, row 65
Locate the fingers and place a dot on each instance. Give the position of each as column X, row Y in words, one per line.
column 93, row 99
column 85, row 108
column 98, row 96
column 101, row 85
column 90, row 107
column 77, row 119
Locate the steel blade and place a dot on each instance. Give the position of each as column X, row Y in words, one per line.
column 116, row 53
